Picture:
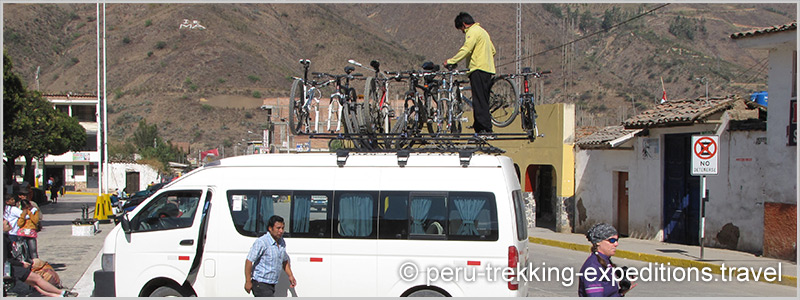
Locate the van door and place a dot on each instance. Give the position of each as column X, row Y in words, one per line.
column 162, row 242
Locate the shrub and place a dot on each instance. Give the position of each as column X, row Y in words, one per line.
column 207, row 107
column 161, row 45
column 148, row 22
column 256, row 94
column 253, row 78
column 126, row 40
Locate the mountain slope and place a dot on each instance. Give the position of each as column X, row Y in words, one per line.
column 200, row 86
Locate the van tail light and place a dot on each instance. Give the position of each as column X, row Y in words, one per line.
column 513, row 261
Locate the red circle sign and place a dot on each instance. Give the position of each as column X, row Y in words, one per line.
column 705, row 148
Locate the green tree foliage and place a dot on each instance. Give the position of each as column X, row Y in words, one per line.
column 683, row 27
column 610, row 17
column 32, row 127
column 147, row 143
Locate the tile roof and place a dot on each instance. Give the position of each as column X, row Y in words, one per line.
column 680, row 112
column 602, row 137
column 768, row 30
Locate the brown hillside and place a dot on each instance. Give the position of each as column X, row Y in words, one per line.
column 203, row 86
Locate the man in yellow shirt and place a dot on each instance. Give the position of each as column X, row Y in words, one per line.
column 479, row 49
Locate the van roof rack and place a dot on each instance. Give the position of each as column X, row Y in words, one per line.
column 420, row 143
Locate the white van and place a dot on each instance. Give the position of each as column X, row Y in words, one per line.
column 357, row 224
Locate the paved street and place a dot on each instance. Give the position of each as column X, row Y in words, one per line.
column 75, row 259
column 560, row 258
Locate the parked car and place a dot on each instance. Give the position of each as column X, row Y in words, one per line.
column 136, row 198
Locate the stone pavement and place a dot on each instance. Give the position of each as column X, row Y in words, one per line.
column 69, row 255
column 675, row 254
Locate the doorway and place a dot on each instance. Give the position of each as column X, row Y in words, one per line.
column 681, row 219
column 622, row 203
column 539, row 181
column 131, row 182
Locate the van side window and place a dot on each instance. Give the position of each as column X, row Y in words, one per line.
column 170, row 210
column 521, row 215
column 393, row 212
column 472, row 216
column 355, row 214
column 428, row 215
column 304, row 223
column 250, row 210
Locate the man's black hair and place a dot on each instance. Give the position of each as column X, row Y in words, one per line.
column 274, row 219
column 463, row 18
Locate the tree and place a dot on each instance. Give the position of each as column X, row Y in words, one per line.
column 32, row 127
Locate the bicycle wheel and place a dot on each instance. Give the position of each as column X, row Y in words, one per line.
column 503, row 103
column 455, row 111
column 433, row 116
column 298, row 116
column 372, row 116
column 528, row 111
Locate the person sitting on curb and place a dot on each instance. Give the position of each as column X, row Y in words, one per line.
column 22, row 272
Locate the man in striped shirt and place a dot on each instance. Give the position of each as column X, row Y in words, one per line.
column 266, row 258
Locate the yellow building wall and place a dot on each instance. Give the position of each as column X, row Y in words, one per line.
column 557, row 123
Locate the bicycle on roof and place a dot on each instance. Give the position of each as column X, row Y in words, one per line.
column 505, row 102
column 303, row 102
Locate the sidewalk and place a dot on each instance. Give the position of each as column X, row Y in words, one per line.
column 676, row 255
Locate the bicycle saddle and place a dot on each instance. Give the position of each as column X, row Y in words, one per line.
column 430, row 66
column 375, row 65
column 349, row 69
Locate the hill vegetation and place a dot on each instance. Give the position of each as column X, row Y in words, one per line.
column 203, row 86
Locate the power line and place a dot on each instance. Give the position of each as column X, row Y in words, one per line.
column 588, row 36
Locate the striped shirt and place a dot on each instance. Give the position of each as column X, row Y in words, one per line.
column 598, row 284
column 267, row 257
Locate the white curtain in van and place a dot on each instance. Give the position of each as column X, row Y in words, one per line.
column 258, row 212
column 302, row 213
column 419, row 214
column 468, row 209
column 355, row 215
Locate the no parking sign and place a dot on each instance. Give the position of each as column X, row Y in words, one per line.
column 705, row 151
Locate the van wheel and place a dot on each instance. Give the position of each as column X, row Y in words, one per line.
column 166, row 291
column 426, row 293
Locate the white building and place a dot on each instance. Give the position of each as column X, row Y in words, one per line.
column 79, row 170
column 780, row 192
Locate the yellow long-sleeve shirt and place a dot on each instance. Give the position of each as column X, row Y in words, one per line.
column 478, row 47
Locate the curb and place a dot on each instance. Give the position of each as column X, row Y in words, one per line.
column 671, row 261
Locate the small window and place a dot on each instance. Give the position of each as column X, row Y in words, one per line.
column 77, row 170
column 250, row 211
column 521, row 217
column 84, row 113
column 428, row 216
column 302, row 222
column 170, row 210
column 91, row 142
column 355, row 214
column 472, row 216
column 393, row 215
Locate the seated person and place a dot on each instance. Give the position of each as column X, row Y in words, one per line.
column 22, row 271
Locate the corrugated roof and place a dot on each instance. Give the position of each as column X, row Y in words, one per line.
column 603, row 136
column 768, row 30
column 679, row 112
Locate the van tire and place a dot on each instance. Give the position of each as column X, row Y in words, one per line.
column 426, row 293
column 166, row 291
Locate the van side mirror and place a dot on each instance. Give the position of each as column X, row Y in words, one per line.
column 125, row 223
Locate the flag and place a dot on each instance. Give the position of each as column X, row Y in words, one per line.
column 213, row 152
column 664, row 97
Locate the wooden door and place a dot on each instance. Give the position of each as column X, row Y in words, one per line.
column 622, row 203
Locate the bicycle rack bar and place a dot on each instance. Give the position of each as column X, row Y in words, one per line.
column 423, row 142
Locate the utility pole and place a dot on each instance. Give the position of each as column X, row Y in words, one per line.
column 519, row 41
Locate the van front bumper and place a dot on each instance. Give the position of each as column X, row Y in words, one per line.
column 104, row 284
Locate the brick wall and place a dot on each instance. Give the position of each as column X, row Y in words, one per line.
column 780, row 230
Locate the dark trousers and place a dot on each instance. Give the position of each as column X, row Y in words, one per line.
column 261, row 289
column 480, row 82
